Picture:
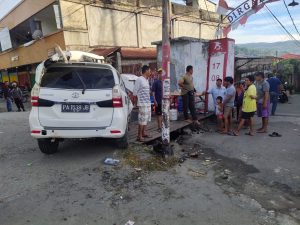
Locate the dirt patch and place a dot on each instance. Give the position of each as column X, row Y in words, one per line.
column 144, row 158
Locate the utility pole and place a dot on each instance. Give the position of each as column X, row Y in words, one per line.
column 166, row 32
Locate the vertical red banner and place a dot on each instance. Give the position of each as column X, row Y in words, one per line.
column 220, row 64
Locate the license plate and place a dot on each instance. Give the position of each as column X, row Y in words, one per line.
column 75, row 108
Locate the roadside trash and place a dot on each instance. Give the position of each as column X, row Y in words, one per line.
column 196, row 173
column 29, row 164
column 130, row 222
column 275, row 134
column 112, row 162
column 194, row 154
column 181, row 159
column 138, row 169
column 224, row 176
column 227, row 172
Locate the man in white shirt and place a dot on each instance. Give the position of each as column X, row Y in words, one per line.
column 216, row 91
column 141, row 92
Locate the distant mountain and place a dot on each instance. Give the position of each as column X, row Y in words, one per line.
column 268, row 49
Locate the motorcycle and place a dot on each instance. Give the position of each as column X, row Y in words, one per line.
column 283, row 97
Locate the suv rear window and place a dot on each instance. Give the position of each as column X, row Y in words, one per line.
column 78, row 78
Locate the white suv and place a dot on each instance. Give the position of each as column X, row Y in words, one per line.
column 78, row 99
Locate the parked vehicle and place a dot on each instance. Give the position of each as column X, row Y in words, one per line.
column 283, row 98
column 78, row 99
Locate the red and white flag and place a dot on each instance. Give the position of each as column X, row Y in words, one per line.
column 240, row 15
column 223, row 7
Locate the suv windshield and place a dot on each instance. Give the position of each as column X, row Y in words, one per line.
column 78, row 78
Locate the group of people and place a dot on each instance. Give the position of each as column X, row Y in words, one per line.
column 244, row 99
column 253, row 95
column 12, row 93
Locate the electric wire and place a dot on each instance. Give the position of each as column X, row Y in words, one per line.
column 291, row 17
column 292, row 37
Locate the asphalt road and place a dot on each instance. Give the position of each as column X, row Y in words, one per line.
column 236, row 181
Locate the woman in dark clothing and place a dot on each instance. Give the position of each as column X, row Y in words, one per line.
column 17, row 95
column 239, row 99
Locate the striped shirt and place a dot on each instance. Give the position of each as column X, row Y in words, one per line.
column 142, row 91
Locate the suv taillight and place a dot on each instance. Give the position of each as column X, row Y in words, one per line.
column 117, row 97
column 34, row 101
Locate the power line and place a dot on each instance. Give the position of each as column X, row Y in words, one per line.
column 271, row 20
column 291, row 17
column 296, row 41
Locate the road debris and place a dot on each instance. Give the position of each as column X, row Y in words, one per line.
column 130, row 222
column 111, row 161
column 196, row 173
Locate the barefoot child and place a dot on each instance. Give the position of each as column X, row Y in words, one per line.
column 219, row 113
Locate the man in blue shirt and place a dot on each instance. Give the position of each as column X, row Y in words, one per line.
column 275, row 89
column 157, row 94
column 216, row 91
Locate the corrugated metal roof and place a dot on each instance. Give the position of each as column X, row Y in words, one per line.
column 127, row 53
column 138, row 53
column 104, row 51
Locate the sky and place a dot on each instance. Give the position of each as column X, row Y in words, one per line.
column 6, row 6
column 260, row 27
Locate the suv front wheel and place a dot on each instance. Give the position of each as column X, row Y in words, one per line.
column 48, row 146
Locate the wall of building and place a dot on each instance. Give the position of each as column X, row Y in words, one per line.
column 109, row 27
column 34, row 53
column 184, row 53
column 25, row 10
column 124, row 23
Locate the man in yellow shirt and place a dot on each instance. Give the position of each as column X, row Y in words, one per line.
column 249, row 106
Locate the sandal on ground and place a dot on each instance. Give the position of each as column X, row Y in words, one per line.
column 275, row 134
column 249, row 133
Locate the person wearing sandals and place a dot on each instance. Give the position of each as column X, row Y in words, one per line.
column 157, row 94
column 141, row 92
column 249, row 106
column 228, row 103
column 188, row 94
column 263, row 101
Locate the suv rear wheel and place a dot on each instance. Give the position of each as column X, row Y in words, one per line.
column 48, row 146
column 123, row 142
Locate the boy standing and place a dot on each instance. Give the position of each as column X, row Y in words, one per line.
column 263, row 101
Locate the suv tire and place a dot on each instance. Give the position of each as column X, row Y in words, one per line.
column 123, row 142
column 48, row 146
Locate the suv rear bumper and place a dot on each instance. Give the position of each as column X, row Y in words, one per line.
column 117, row 129
column 78, row 133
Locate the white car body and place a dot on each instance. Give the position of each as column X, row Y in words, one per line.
column 100, row 107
